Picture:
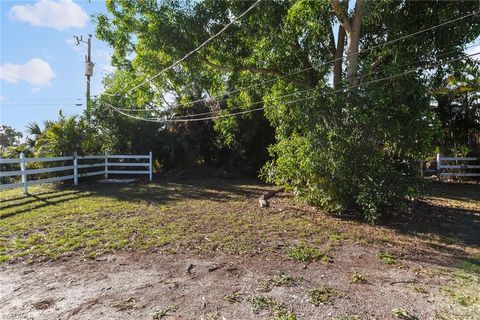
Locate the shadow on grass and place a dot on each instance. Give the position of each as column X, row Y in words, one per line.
column 440, row 215
column 155, row 193
column 31, row 198
column 35, row 202
column 160, row 192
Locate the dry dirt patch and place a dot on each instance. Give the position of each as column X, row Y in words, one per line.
column 180, row 286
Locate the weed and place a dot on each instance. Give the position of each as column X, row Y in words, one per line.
column 280, row 312
column 466, row 300
column 464, row 290
column 419, row 289
column 347, row 317
column 5, row 258
column 322, row 295
column 278, row 280
column 358, row 278
column 282, row 315
column 471, row 266
column 259, row 302
column 461, row 297
column 236, row 296
column 337, row 237
column 305, row 253
column 127, row 304
column 163, row 313
column 403, row 313
column 283, row 279
column 387, row 258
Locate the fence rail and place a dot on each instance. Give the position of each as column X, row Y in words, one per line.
column 74, row 168
column 464, row 169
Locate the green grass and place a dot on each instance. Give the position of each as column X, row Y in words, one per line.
column 259, row 302
column 471, row 266
column 387, row 258
column 322, row 295
column 402, row 313
column 278, row 311
column 463, row 288
column 280, row 279
column 358, row 278
column 234, row 297
column 205, row 216
column 305, row 253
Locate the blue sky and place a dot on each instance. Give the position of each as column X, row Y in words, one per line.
column 39, row 60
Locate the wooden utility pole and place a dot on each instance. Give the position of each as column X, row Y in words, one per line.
column 88, row 65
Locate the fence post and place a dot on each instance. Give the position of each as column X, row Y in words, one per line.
column 23, row 167
column 439, row 164
column 151, row 166
column 106, row 165
column 75, row 169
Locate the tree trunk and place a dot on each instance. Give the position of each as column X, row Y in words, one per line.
column 354, row 41
column 337, row 67
column 351, row 27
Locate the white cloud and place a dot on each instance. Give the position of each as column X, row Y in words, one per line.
column 2, row 98
column 60, row 15
column 36, row 72
column 35, row 90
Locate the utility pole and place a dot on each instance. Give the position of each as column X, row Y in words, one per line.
column 88, row 65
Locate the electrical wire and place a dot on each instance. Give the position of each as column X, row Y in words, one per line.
column 375, row 73
column 203, row 44
column 303, row 70
column 303, row 91
column 288, row 102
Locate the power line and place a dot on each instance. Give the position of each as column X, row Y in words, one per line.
column 306, row 69
column 288, row 102
column 297, row 92
column 196, row 49
column 375, row 73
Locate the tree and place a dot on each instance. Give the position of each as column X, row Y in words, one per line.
column 346, row 144
column 64, row 136
column 9, row 136
column 457, row 95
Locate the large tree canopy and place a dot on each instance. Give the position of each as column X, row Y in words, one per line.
column 343, row 139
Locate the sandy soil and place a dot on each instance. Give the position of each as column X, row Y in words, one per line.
column 182, row 286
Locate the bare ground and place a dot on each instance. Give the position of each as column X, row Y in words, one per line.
column 140, row 286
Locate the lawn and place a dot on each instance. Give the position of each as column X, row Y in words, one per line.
column 212, row 217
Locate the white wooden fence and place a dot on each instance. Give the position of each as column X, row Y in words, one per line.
column 100, row 161
column 461, row 166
